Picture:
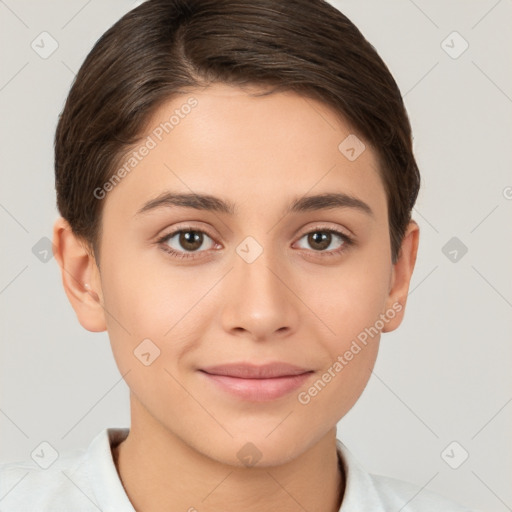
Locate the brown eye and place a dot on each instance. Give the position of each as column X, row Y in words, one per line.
column 184, row 241
column 190, row 240
column 321, row 239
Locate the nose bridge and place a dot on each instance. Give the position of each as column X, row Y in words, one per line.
column 258, row 300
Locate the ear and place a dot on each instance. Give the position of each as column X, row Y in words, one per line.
column 401, row 274
column 80, row 276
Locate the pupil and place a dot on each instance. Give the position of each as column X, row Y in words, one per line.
column 191, row 240
column 323, row 239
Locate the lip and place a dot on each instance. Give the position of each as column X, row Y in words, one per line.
column 253, row 371
column 257, row 383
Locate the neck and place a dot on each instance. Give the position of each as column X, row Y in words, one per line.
column 162, row 473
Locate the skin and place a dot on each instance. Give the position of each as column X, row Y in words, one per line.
column 293, row 303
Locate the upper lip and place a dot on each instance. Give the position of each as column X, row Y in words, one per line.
column 250, row 371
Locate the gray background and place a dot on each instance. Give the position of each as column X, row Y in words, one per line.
column 444, row 376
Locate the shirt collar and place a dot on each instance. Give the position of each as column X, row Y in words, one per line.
column 360, row 493
column 107, row 487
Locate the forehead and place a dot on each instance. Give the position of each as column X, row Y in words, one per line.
column 227, row 142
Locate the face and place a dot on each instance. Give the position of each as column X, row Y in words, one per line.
column 246, row 278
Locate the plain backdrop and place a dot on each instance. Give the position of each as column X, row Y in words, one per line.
column 442, row 386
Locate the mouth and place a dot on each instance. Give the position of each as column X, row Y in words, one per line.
column 257, row 383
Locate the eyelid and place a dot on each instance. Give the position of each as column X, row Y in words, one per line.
column 328, row 227
column 186, row 227
column 315, row 227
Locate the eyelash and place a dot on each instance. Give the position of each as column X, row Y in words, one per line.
column 347, row 242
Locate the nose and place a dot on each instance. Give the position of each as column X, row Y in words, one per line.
column 258, row 299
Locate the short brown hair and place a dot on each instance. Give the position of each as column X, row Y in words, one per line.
column 166, row 47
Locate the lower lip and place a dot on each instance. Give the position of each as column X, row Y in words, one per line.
column 259, row 390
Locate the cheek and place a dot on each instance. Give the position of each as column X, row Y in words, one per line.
column 156, row 302
column 350, row 303
column 351, row 306
column 339, row 385
column 349, row 299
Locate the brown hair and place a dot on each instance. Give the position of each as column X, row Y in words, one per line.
column 165, row 47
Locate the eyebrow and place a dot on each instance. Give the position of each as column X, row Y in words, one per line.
column 211, row 203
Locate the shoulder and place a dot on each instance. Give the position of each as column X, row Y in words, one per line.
column 24, row 485
column 365, row 492
column 398, row 493
column 76, row 480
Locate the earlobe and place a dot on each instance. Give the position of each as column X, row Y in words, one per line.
column 80, row 277
column 401, row 277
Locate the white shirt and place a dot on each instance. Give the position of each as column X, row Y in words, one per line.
column 87, row 481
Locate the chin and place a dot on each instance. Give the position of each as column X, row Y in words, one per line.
column 258, row 451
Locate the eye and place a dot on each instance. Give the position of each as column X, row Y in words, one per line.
column 183, row 243
column 186, row 242
column 320, row 239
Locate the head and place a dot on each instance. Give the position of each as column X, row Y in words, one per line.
column 259, row 106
